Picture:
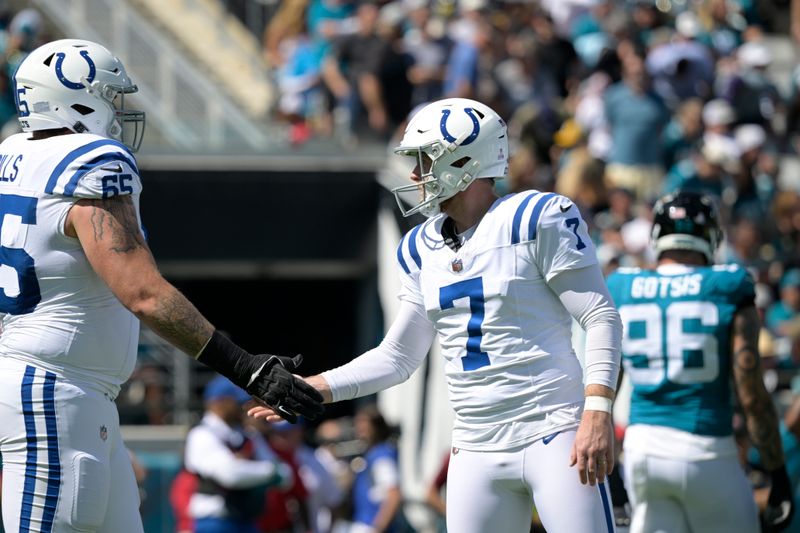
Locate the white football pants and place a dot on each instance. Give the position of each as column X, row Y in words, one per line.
column 65, row 467
column 495, row 491
column 673, row 496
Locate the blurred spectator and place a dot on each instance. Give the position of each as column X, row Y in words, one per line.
column 309, row 504
column 285, row 508
column 723, row 25
column 376, row 488
column 681, row 68
column 180, row 494
column 580, row 176
column 233, row 465
column 428, row 47
column 462, row 71
column 296, row 62
column 786, row 219
column 519, row 77
column 683, row 132
column 24, row 33
column 636, row 117
column 706, row 171
column 745, row 242
column 787, row 308
column 647, row 19
column 754, row 97
column 361, row 68
column 555, row 55
column 756, row 181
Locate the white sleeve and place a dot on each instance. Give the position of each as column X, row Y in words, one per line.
column 562, row 239
column 207, row 456
column 393, row 361
column 585, row 295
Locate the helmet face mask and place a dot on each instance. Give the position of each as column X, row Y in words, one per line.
column 454, row 141
column 78, row 85
column 686, row 221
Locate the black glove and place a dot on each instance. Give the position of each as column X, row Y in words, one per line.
column 276, row 385
column 780, row 505
column 269, row 378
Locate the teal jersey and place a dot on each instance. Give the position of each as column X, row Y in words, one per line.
column 676, row 345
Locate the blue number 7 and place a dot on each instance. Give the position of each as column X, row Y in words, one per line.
column 472, row 289
column 574, row 223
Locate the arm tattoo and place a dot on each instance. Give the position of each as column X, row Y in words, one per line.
column 759, row 411
column 115, row 219
column 115, row 225
column 179, row 322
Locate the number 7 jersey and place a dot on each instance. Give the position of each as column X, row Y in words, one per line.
column 511, row 371
column 58, row 313
column 676, row 346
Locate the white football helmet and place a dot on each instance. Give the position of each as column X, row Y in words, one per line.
column 78, row 85
column 455, row 142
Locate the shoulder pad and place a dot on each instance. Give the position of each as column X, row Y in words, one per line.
column 101, row 155
column 408, row 251
column 527, row 214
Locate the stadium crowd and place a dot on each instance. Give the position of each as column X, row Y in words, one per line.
column 611, row 103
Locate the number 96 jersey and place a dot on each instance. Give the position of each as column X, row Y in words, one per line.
column 511, row 372
column 676, row 345
column 59, row 315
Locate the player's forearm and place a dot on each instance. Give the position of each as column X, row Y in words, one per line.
column 584, row 294
column 397, row 357
column 172, row 316
column 758, row 409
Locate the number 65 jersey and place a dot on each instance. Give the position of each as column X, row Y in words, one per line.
column 59, row 315
column 676, row 345
column 511, row 371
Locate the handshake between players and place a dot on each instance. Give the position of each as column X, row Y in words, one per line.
column 268, row 378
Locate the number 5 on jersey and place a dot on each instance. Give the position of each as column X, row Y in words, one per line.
column 20, row 287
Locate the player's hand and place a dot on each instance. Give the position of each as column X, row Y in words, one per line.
column 275, row 384
column 270, row 414
column 780, row 505
column 593, row 449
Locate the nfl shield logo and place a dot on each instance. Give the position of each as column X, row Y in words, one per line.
column 457, row 265
column 103, row 433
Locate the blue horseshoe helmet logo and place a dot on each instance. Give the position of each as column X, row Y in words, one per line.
column 476, row 126
column 71, row 84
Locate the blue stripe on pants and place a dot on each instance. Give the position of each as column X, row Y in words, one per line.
column 606, row 507
column 29, row 487
column 31, row 461
column 54, row 463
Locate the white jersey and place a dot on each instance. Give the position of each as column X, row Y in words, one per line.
column 59, row 314
column 512, row 374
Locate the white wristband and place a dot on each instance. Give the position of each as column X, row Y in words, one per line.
column 597, row 403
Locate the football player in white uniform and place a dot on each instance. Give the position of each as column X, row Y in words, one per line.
column 76, row 277
column 499, row 280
